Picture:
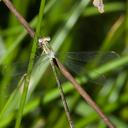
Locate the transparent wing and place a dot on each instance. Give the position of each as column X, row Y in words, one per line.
column 76, row 60
column 19, row 67
column 82, row 62
column 40, row 62
column 15, row 70
column 11, row 73
column 90, row 56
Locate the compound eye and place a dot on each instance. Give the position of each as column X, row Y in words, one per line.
column 47, row 39
column 40, row 44
column 40, row 40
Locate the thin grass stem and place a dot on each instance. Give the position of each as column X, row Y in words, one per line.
column 30, row 66
column 19, row 16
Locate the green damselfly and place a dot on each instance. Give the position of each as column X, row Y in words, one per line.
column 44, row 45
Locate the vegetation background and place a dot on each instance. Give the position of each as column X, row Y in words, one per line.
column 73, row 25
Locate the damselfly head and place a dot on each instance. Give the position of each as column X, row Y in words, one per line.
column 43, row 41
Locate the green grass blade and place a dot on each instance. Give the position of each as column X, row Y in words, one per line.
column 30, row 66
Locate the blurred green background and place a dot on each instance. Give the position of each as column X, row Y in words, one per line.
column 73, row 25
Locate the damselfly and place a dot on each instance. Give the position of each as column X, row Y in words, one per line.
column 44, row 45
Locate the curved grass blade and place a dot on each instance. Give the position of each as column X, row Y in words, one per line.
column 10, row 105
